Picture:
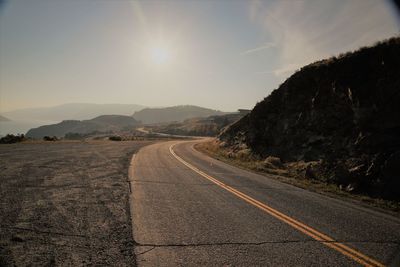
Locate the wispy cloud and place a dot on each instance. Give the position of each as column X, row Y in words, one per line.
column 258, row 49
column 306, row 31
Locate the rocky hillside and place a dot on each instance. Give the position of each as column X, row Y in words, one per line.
column 176, row 113
column 341, row 114
column 105, row 123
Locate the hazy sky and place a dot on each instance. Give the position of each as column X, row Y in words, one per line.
column 218, row 54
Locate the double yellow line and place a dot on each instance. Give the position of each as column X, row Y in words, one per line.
column 324, row 239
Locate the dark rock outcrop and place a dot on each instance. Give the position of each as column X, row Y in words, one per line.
column 343, row 112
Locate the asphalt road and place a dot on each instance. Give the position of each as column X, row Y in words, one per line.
column 189, row 209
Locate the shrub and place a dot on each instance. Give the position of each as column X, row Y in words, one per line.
column 10, row 139
column 115, row 138
column 273, row 162
column 50, row 138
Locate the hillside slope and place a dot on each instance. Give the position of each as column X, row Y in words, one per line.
column 209, row 126
column 2, row 118
column 176, row 113
column 341, row 114
column 105, row 123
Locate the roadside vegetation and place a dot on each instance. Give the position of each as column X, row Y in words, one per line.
column 11, row 138
column 295, row 173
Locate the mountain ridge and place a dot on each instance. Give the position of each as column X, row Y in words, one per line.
column 208, row 126
column 103, row 123
column 174, row 114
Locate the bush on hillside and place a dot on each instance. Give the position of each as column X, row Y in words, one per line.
column 10, row 139
column 115, row 138
column 50, row 138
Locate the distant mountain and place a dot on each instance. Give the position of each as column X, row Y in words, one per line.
column 105, row 123
column 210, row 126
column 176, row 113
column 2, row 118
column 72, row 111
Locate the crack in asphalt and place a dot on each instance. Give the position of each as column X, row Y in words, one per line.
column 158, row 167
column 69, row 186
column 153, row 246
column 172, row 183
column 42, row 232
column 209, row 184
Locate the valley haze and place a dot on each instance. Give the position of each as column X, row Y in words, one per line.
column 21, row 121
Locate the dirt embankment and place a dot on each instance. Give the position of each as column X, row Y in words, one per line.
column 66, row 203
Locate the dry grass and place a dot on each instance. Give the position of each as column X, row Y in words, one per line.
column 286, row 174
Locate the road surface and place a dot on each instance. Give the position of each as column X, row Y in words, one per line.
column 189, row 209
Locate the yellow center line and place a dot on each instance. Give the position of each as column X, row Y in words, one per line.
column 324, row 239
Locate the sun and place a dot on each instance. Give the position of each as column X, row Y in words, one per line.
column 160, row 55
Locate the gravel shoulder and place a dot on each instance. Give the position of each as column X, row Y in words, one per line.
column 66, row 204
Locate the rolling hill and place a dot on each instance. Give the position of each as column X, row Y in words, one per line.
column 104, row 123
column 209, row 126
column 2, row 118
column 176, row 113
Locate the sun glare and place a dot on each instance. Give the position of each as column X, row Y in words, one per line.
column 160, row 55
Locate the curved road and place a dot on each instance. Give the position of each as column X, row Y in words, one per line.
column 189, row 209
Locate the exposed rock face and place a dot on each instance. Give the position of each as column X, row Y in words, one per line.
column 343, row 112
